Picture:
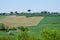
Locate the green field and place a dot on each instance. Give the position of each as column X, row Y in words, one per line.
column 48, row 22
column 1, row 17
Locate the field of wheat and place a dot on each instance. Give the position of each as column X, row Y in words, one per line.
column 16, row 21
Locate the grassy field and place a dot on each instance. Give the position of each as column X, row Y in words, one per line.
column 51, row 22
column 1, row 17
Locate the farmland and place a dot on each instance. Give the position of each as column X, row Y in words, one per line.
column 16, row 21
column 48, row 22
column 38, row 23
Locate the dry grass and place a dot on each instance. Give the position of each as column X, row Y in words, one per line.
column 15, row 21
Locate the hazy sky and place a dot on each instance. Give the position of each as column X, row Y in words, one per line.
column 34, row 5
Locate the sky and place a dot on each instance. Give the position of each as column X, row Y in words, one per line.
column 34, row 5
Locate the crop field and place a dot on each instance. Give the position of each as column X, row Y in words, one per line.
column 16, row 21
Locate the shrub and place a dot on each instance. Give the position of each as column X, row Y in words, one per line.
column 13, row 28
column 2, row 27
column 23, row 28
column 23, row 36
column 26, row 36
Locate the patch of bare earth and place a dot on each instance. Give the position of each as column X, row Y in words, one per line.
column 16, row 21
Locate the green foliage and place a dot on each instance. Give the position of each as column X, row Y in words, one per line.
column 32, row 37
column 26, row 36
column 8, row 38
column 2, row 27
column 23, row 28
column 50, row 35
column 23, row 36
column 13, row 28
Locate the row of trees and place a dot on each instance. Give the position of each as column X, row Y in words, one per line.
column 12, row 13
column 29, row 13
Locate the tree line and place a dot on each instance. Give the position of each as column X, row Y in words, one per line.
column 29, row 13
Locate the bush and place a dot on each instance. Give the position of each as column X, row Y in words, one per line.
column 26, row 36
column 23, row 36
column 2, row 27
column 13, row 28
column 23, row 28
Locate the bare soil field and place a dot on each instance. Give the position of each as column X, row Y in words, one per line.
column 16, row 21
